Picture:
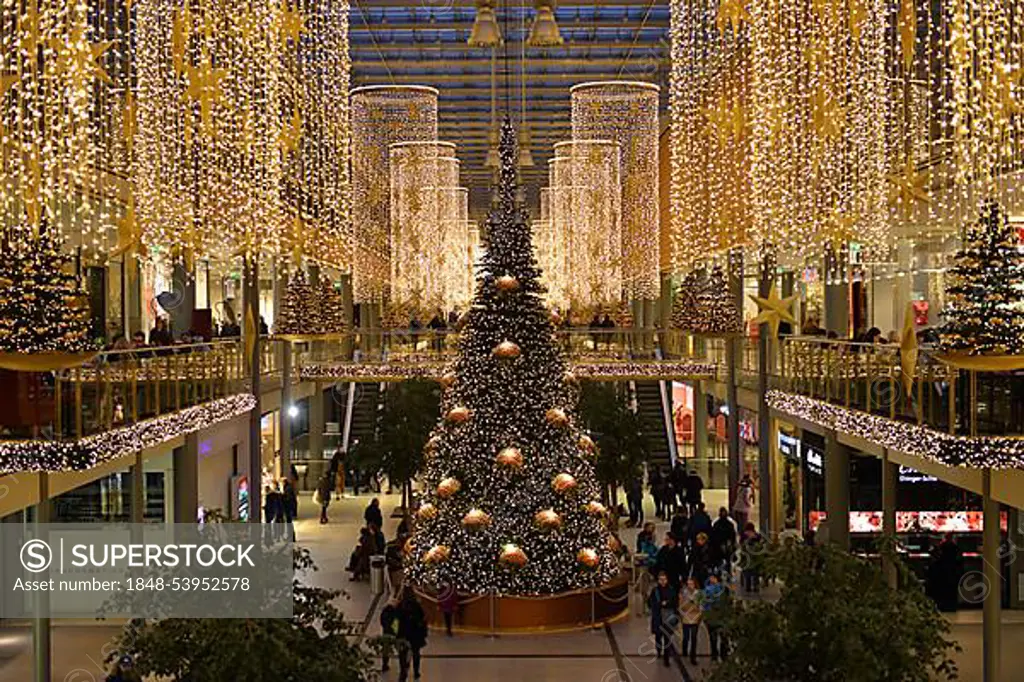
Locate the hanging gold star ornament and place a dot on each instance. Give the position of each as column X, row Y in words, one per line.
column 291, row 133
column 129, row 235
column 908, row 350
column 773, row 311
column 732, row 13
column 1000, row 90
column 908, row 187
column 79, row 59
column 290, row 23
column 908, row 32
column 205, row 87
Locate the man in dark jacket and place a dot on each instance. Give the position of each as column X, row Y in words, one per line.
column 412, row 629
column 700, row 522
column 694, row 491
column 723, row 538
column 388, row 627
column 672, row 560
column 635, row 500
column 372, row 515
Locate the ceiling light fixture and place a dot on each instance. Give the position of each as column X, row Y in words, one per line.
column 486, row 32
column 544, row 32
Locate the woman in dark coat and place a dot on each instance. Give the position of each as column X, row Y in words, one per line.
column 412, row 628
column 664, row 605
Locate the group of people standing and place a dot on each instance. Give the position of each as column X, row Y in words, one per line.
column 671, row 489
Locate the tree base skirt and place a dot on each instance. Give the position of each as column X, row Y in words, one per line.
column 44, row 362
column 578, row 610
column 983, row 363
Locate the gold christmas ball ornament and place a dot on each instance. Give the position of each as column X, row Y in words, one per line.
column 614, row 544
column 595, row 508
column 556, row 417
column 448, row 487
column 436, row 554
column 507, row 350
column 475, row 519
column 507, row 283
column 426, row 512
column 510, row 457
column 564, row 483
column 447, row 380
column 512, row 555
column 548, row 519
column 587, row 444
column 459, row 414
column 588, row 558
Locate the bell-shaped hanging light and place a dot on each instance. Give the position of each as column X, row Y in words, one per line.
column 493, row 159
column 486, row 32
column 544, row 32
column 525, row 157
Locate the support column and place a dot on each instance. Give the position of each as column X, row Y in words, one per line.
column 251, row 344
column 665, row 311
column 837, row 300
column 316, row 422
column 186, row 480
column 41, row 644
column 184, row 283
column 284, row 419
column 991, row 609
column 766, row 278
column 732, row 358
column 890, row 478
column 1016, row 538
column 346, row 297
column 837, row 491
column 700, row 421
column 138, row 489
column 650, row 313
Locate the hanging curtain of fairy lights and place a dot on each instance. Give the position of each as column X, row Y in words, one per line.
column 416, row 236
column 314, row 141
column 381, row 116
column 457, row 259
column 627, row 113
column 543, row 238
column 709, row 99
column 447, row 275
column 61, row 88
column 594, row 247
column 556, row 245
column 212, row 134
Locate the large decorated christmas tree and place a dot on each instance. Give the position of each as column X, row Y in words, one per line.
column 511, row 502
column 984, row 314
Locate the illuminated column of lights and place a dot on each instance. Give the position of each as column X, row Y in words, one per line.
column 416, row 239
column 315, row 132
column 381, row 116
column 459, row 288
column 543, row 237
column 446, row 276
column 627, row 113
column 819, row 102
column 557, row 244
column 210, row 140
column 60, row 61
column 593, row 252
column 710, row 103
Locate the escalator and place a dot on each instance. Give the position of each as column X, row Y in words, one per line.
column 654, row 407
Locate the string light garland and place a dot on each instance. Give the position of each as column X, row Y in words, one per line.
column 509, row 402
column 626, row 112
column 593, row 226
column 920, row 441
column 555, row 244
column 91, row 451
column 381, row 116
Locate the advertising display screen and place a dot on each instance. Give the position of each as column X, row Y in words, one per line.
column 913, row 521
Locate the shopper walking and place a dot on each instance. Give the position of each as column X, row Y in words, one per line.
column 655, row 481
column 714, row 594
column 664, row 605
column 389, row 628
column 412, row 629
column 723, row 539
column 744, row 503
column 671, row 560
column 751, row 544
column 448, row 600
column 323, row 491
column 372, row 515
column 694, row 491
column 690, row 613
column 635, row 501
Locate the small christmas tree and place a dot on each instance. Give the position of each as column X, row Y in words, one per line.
column 43, row 308
column 511, row 501
column 684, row 307
column 717, row 312
column 984, row 312
column 332, row 308
column 298, row 314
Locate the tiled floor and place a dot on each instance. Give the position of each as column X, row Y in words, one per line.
column 619, row 653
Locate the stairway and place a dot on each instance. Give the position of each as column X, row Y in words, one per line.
column 365, row 400
column 649, row 405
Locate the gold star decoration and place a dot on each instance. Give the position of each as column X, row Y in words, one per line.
column 908, row 350
column 128, row 234
column 291, row 133
column 290, row 23
column 773, row 311
column 7, row 81
column 829, row 115
column 732, row 13
column 204, row 87
column 725, row 121
column 908, row 187
column 79, row 57
column 1000, row 90
column 839, row 227
column 908, row 32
